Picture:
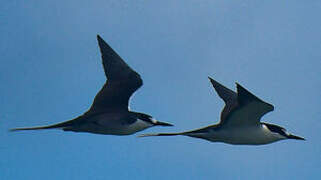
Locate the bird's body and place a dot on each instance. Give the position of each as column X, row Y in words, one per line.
column 124, row 123
column 109, row 113
column 250, row 135
column 240, row 121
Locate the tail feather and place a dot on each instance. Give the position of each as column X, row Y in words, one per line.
column 160, row 134
column 59, row 125
column 198, row 133
column 29, row 128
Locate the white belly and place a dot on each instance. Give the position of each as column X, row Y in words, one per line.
column 110, row 125
column 244, row 135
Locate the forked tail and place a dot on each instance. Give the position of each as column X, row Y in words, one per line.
column 59, row 125
column 160, row 134
column 198, row 133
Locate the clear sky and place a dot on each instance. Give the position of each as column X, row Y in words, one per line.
column 51, row 70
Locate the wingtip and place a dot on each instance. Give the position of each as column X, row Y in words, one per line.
column 239, row 86
column 99, row 38
column 211, row 79
column 104, row 46
column 246, row 95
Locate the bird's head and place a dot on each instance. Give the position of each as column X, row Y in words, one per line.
column 150, row 119
column 281, row 132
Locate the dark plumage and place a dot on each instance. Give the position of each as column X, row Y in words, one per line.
column 109, row 113
column 240, row 120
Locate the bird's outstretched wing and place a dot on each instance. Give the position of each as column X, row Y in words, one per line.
column 228, row 96
column 248, row 111
column 121, row 83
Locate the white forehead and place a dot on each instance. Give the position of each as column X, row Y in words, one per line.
column 153, row 120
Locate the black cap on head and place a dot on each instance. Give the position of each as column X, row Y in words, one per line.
column 280, row 130
column 148, row 118
column 158, row 123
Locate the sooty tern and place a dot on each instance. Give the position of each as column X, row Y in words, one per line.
column 240, row 120
column 109, row 113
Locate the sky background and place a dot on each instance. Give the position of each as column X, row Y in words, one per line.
column 51, row 70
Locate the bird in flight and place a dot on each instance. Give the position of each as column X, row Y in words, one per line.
column 240, row 121
column 109, row 113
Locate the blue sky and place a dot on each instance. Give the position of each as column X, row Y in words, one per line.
column 51, row 70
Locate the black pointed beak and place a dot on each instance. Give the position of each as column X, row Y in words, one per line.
column 158, row 123
column 295, row 137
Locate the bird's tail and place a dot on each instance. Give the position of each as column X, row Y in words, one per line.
column 59, row 125
column 160, row 134
column 198, row 133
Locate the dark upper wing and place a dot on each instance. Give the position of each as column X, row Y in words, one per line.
column 122, row 81
column 228, row 96
column 249, row 109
